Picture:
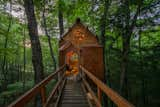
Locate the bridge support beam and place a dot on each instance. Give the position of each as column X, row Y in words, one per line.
column 99, row 94
column 43, row 95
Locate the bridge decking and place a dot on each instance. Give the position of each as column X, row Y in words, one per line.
column 73, row 95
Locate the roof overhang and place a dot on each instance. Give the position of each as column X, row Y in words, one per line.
column 65, row 46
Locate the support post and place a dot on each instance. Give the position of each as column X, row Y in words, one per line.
column 43, row 95
column 99, row 92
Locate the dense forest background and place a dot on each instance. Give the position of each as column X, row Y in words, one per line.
column 129, row 30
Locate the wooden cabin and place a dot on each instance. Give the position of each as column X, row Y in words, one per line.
column 79, row 46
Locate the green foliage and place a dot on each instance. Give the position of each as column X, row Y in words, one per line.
column 50, row 86
column 143, row 66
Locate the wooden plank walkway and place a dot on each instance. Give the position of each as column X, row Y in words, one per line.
column 73, row 95
column 67, row 93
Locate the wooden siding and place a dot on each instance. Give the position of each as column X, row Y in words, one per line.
column 85, row 43
column 72, row 36
column 92, row 59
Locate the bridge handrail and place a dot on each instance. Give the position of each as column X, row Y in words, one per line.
column 114, row 96
column 38, row 88
column 54, row 90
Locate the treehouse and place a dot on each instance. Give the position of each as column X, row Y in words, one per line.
column 79, row 46
column 80, row 51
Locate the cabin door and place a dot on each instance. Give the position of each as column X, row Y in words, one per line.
column 72, row 63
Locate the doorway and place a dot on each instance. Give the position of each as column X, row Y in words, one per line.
column 72, row 61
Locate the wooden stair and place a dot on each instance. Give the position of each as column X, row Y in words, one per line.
column 73, row 95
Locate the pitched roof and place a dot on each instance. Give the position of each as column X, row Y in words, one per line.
column 78, row 21
column 65, row 45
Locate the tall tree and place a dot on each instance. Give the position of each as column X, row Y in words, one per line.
column 24, row 57
column 103, row 41
column 35, row 43
column 103, row 29
column 141, row 66
column 48, row 36
column 60, row 17
column 126, row 36
column 5, row 46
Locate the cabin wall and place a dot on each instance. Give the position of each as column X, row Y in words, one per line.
column 61, row 58
column 92, row 60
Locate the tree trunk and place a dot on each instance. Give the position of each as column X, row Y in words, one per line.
column 60, row 17
column 5, row 46
column 124, row 65
column 61, row 27
column 142, row 72
column 126, row 35
column 103, row 31
column 103, row 41
column 49, row 38
column 24, row 58
column 35, row 45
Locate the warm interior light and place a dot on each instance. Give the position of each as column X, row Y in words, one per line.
column 72, row 62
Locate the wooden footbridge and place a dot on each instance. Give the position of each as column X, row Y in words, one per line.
column 80, row 72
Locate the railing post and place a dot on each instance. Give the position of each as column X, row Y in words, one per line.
column 43, row 95
column 99, row 93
